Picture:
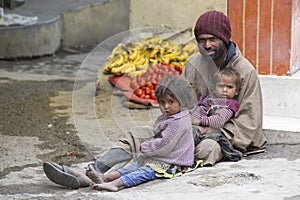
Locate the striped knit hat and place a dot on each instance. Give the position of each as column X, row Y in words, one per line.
column 214, row 23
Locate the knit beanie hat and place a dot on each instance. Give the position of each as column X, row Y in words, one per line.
column 214, row 23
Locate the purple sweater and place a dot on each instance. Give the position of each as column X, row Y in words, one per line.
column 173, row 141
column 214, row 112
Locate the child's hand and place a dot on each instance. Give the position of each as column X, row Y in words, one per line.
column 141, row 147
column 196, row 122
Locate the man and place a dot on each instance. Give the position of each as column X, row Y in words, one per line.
column 244, row 133
column 213, row 32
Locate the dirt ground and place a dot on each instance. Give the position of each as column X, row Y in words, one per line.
column 26, row 111
column 42, row 108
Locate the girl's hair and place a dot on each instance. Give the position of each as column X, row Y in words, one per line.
column 229, row 72
column 176, row 88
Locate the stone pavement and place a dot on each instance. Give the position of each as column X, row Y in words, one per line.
column 271, row 175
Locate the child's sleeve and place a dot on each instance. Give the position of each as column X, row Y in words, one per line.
column 218, row 119
column 163, row 145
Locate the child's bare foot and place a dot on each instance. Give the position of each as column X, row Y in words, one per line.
column 96, row 176
column 113, row 186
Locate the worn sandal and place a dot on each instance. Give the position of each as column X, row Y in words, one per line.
column 59, row 175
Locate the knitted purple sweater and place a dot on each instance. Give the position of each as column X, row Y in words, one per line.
column 215, row 112
column 173, row 141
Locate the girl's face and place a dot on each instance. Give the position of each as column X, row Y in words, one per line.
column 169, row 105
column 226, row 87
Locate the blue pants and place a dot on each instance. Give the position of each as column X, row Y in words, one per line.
column 133, row 175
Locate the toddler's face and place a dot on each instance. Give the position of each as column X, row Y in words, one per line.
column 226, row 87
column 169, row 105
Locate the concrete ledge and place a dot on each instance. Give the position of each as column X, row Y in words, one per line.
column 67, row 24
column 280, row 95
column 281, row 130
column 30, row 41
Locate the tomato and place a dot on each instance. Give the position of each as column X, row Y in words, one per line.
column 164, row 63
column 149, row 85
column 153, row 81
column 143, row 96
column 150, row 71
column 152, row 95
column 178, row 68
column 147, row 90
column 143, row 88
column 142, row 82
column 172, row 67
column 138, row 92
column 154, row 68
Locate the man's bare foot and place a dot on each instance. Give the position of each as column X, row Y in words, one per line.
column 84, row 180
column 112, row 186
column 94, row 175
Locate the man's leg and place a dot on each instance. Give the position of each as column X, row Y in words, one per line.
column 209, row 151
column 112, row 157
column 128, row 149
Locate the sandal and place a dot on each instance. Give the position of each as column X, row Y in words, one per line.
column 59, row 175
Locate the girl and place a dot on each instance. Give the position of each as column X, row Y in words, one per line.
column 169, row 153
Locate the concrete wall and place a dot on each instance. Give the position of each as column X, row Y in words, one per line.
column 30, row 41
column 174, row 14
column 280, row 95
column 93, row 24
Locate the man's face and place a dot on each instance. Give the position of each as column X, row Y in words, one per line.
column 213, row 46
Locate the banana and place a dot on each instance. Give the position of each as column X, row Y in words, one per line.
column 142, row 67
column 128, row 69
column 142, row 60
column 135, row 73
column 118, row 70
column 190, row 47
column 117, row 62
column 120, row 48
column 164, row 58
column 133, row 56
column 171, row 55
column 153, row 60
column 154, row 53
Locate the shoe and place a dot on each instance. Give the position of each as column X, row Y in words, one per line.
column 59, row 175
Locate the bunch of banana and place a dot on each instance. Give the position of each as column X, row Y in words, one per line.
column 115, row 62
column 134, row 58
column 123, row 69
column 139, row 70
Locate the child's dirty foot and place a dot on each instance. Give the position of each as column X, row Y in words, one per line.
column 109, row 186
column 94, row 175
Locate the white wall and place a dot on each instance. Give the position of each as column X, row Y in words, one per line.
column 174, row 14
column 281, row 95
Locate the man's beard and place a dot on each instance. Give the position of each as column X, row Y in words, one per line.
column 218, row 53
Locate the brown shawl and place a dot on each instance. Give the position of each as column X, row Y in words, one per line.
column 245, row 131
